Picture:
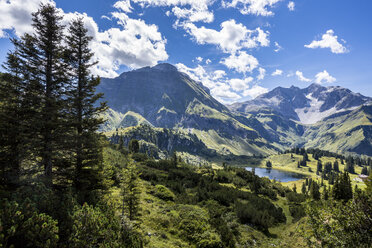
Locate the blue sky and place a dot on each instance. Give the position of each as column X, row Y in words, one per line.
column 237, row 48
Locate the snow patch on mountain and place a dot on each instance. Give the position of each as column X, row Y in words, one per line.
column 312, row 114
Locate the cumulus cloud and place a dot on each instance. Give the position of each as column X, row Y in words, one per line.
column 208, row 61
column 255, row 91
column 224, row 89
column 188, row 10
column 16, row 16
column 329, row 40
column 277, row 47
column 324, row 77
column 301, row 77
column 238, row 84
column 134, row 44
column 255, row 7
column 199, row 59
column 231, row 38
column 124, row 6
column 277, row 72
column 240, row 62
column 261, row 74
column 291, row 6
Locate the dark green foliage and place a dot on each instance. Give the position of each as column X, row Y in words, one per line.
column 319, row 166
column 342, row 189
column 83, row 118
column 268, row 164
column 164, row 193
column 133, row 146
column 335, row 166
column 364, row 171
column 21, row 225
column 303, row 188
column 130, row 191
column 339, row 224
column 314, row 191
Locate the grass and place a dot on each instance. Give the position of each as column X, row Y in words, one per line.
column 286, row 163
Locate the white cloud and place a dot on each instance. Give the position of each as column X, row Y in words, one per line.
column 301, row 77
column 329, row 40
column 199, row 59
column 231, row 38
column 16, row 16
column 242, row 62
column 223, row 93
column 218, row 74
column 291, row 6
column 277, row 47
column 255, row 7
column 189, row 10
column 277, row 72
column 261, row 74
column 214, row 80
column 324, row 77
column 255, row 91
column 124, row 6
column 208, row 61
column 238, row 84
column 134, row 44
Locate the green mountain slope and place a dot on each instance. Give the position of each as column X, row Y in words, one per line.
column 350, row 131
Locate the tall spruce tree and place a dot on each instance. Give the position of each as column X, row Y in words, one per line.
column 85, row 112
column 11, row 122
column 42, row 73
column 48, row 85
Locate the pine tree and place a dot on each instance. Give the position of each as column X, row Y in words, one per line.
column 364, row 171
column 133, row 146
column 43, row 73
column 335, row 166
column 84, row 115
column 325, row 194
column 314, row 191
column 319, row 167
column 303, row 189
column 12, row 149
column 130, row 191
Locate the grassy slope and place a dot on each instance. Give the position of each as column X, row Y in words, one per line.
column 160, row 218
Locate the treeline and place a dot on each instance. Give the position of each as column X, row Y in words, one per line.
column 330, row 170
column 52, row 176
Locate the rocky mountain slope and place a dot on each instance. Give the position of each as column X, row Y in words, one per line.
column 167, row 101
column 163, row 97
column 308, row 105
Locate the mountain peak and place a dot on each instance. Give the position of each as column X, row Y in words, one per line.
column 164, row 67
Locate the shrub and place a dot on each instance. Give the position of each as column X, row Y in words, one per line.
column 164, row 193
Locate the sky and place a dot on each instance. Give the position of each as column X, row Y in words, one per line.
column 237, row 48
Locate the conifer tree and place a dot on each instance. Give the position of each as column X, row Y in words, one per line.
column 133, row 146
column 130, row 191
column 84, row 115
column 12, row 149
column 44, row 83
column 314, row 191
column 303, row 189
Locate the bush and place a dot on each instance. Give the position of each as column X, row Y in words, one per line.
column 164, row 193
column 23, row 226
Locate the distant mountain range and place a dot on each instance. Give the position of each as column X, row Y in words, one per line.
column 308, row 105
column 168, row 104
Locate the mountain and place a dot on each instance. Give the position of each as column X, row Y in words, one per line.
column 163, row 97
column 167, row 110
column 308, row 105
column 161, row 94
column 329, row 118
